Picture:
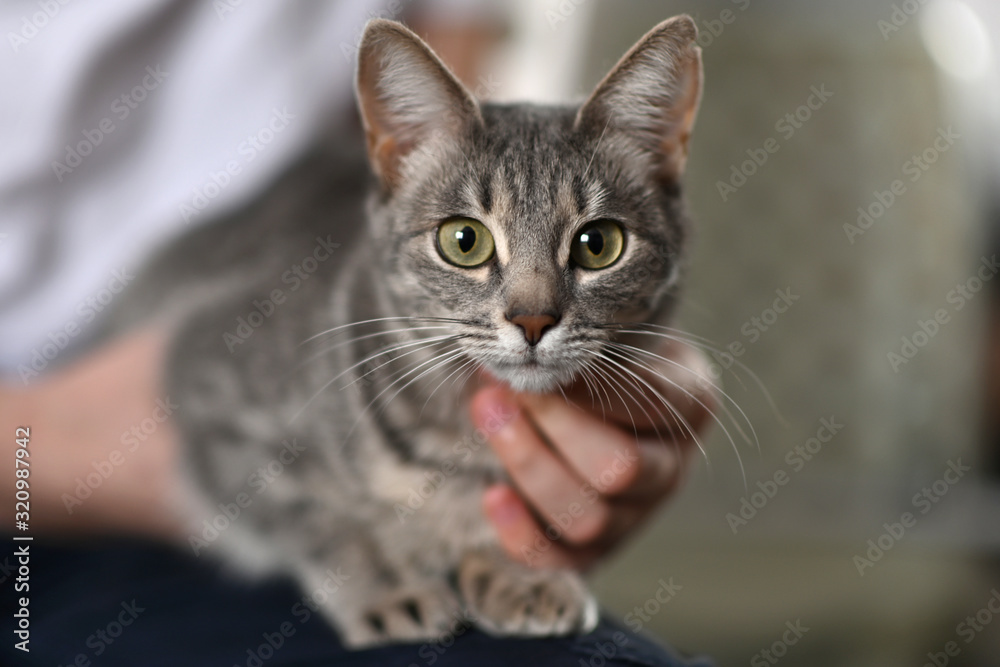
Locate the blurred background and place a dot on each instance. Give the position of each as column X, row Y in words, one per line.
column 845, row 180
column 867, row 268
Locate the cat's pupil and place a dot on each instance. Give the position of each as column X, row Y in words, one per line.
column 594, row 241
column 466, row 238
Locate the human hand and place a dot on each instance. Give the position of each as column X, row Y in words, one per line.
column 102, row 450
column 584, row 478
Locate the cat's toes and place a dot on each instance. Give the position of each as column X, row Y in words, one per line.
column 404, row 616
column 504, row 598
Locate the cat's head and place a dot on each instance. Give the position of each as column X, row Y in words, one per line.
column 538, row 229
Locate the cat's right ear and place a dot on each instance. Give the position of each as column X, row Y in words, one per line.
column 409, row 99
column 650, row 98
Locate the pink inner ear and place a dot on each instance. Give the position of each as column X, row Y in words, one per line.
column 674, row 158
column 675, row 143
column 385, row 146
column 387, row 150
column 664, row 65
column 407, row 95
column 385, row 157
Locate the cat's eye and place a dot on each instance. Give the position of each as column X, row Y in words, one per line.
column 464, row 242
column 598, row 244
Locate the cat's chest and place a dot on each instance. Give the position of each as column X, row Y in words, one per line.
column 448, row 462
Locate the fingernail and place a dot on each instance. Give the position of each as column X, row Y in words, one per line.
column 503, row 509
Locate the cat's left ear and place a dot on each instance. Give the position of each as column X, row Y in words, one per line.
column 408, row 97
column 651, row 96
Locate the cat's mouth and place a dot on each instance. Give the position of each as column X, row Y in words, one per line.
column 531, row 374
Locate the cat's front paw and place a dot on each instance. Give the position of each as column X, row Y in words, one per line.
column 505, row 598
column 407, row 615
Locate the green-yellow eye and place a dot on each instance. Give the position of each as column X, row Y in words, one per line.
column 464, row 242
column 598, row 244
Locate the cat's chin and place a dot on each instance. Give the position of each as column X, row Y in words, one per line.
column 532, row 378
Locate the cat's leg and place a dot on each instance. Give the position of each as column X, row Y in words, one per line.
column 449, row 535
column 374, row 603
column 507, row 598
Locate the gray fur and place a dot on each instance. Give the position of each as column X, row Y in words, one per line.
column 364, row 439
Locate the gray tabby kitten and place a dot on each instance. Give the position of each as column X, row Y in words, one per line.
column 514, row 239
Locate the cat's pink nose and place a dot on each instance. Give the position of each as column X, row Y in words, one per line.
column 534, row 326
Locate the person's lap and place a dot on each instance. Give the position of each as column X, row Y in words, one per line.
column 130, row 603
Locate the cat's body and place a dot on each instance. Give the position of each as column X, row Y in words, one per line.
column 357, row 469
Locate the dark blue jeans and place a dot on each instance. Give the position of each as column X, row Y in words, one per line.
column 144, row 605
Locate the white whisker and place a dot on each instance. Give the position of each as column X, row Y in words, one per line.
column 423, row 343
column 622, row 347
column 436, row 362
column 634, row 397
column 677, row 337
column 460, row 368
column 385, row 319
column 678, row 415
column 356, row 339
column 400, row 346
column 694, row 398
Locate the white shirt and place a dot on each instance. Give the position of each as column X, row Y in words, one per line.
column 129, row 122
